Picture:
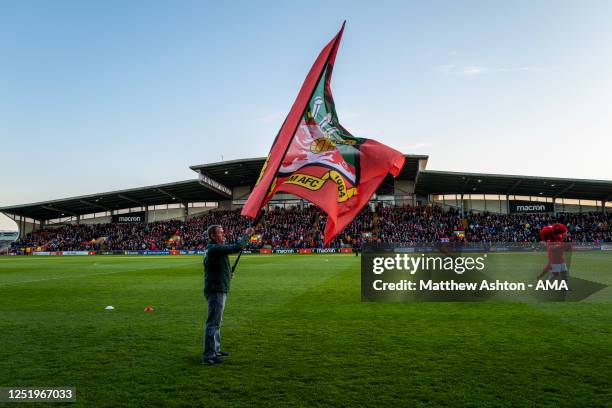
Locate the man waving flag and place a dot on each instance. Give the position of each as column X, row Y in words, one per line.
column 315, row 158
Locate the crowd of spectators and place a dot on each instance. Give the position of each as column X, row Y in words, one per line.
column 590, row 227
column 303, row 228
column 418, row 224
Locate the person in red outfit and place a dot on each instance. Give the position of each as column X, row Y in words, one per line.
column 554, row 236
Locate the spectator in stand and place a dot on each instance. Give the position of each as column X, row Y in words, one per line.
column 303, row 228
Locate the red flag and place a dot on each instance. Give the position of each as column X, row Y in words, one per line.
column 315, row 158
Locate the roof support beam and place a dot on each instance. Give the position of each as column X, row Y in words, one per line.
column 11, row 216
column 569, row 187
column 467, row 180
column 173, row 196
column 513, row 187
column 95, row 205
column 124, row 197
column 59, row 210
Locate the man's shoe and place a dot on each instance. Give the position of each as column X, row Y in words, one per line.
column 222, row 354
column 212, row 361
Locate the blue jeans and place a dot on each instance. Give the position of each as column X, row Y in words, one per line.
column 212, row 329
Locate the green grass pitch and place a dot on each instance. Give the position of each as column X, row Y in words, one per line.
column 299, row 336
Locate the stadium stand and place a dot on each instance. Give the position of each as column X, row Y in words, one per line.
column 418, row 206
column 302, row 228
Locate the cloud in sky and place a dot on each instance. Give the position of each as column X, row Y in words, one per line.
column 476, row 70
column 473, row 70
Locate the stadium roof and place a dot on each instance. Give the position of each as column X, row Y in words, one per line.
column 447, row 182
column 232, row 173
column 216, row 180
column 244, row 172
column 171, row 193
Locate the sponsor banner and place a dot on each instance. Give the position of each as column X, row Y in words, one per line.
column 61, row 253
column 109, row 252
column 406, row 250
column 325, row 250
column 381, row 248
column 193, row 252
column 522, row 207
column 77, row 253
column 135, row 217
column 472, row 247
column 514, row 247
column 299, row 251
column 285, row 251
column 586, row 246
column 131, row 252
column 501, row 249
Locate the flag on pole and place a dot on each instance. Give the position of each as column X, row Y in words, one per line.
column 315, row 158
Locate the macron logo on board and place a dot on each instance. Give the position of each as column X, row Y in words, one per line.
column 530, row 207
column 540, row 207
column 129, row 219
column 135, row 217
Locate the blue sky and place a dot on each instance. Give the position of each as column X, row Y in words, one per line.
column 106, row 95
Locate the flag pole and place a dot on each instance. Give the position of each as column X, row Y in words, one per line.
column 253, row 224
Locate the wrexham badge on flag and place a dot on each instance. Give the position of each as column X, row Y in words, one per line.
column 315, row 158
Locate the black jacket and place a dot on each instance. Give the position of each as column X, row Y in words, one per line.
column 217, row 268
